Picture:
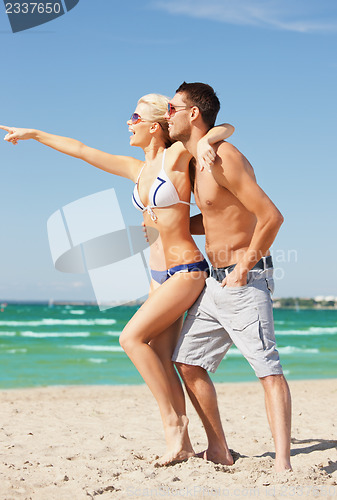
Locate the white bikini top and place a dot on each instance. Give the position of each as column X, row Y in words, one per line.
column 162, row 193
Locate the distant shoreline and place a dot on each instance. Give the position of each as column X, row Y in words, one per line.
column 67, row 303
column 278, row 303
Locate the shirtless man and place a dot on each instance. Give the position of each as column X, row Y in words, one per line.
column 240, row 223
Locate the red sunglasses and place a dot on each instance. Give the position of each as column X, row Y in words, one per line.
column 171, row 109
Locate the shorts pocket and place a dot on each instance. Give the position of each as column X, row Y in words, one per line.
column 270, row 285
column 241, row 309
column 233, row 289
column 243, row 319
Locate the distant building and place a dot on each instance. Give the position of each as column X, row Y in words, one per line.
column 328, row 298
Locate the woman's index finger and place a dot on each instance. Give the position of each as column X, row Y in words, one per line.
column 8, row 129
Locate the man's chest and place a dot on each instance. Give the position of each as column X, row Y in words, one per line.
column 208, row 194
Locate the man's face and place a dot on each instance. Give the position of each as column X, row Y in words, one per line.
column 179, row 123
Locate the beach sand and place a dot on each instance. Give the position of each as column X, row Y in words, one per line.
column 100, row 442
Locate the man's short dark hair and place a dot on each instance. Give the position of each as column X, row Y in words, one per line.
column 203, row 96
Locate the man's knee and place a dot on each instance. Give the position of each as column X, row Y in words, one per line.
column 273, row 381
column 189, row 373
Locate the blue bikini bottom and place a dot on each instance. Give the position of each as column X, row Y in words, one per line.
column 161, row 276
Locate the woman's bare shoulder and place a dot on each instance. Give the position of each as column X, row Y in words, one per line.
column 178, row 157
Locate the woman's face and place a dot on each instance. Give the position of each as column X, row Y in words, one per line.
column 140, row 132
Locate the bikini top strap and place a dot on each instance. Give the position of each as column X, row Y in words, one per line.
column 162, row 166
column 163, row 160
column 140, row 173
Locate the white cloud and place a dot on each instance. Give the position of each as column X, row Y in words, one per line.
column 302, row 17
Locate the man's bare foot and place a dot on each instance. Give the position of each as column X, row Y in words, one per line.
column 178, row 443
column 218, row 456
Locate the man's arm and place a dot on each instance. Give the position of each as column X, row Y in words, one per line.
column 196, row 224
column 233, row 171
column 205, row 149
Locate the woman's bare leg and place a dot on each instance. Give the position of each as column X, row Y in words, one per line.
column 163, row 308
column 164, row 345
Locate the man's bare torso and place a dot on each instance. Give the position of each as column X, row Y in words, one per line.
column 229, row 226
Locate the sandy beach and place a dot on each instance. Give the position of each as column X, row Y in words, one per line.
column 102, row 441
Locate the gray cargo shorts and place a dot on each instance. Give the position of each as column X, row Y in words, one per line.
column 222, row 316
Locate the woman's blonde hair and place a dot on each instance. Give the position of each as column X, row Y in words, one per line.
column 158, row 107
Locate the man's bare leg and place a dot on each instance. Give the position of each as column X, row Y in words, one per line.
column 202, row 393
column 278, row 407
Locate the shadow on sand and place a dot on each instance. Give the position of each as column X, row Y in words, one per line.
column 320, row 445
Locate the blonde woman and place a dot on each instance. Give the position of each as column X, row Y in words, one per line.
column 162, row 192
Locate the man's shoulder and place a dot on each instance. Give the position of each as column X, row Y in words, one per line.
column 231, row 164
column 228, row 156
column 226, row 149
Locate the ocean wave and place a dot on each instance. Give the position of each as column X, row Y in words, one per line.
column 97, row 348
column 7, row 334
column 104, row 321
column 60, row 322
column 77, row 311
column 233, row 351
column 43, row 335
column 113, row 334
column 294, row 350
column 97, row 360
column 14, row 351
column 313, row 330
column 330, row 330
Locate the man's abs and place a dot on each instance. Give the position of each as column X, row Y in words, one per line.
column 227, row 238
column 229, row 226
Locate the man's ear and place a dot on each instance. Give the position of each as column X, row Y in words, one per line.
column 195, row 113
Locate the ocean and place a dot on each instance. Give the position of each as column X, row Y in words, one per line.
column 43, row 345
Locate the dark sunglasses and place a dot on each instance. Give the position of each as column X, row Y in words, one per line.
column 136, row 118
column 171, row 110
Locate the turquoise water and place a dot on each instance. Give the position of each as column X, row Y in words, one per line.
column 59, row 345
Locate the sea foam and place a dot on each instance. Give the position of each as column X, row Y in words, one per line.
column 98, row 348
column 60, row 322
column 45, row 335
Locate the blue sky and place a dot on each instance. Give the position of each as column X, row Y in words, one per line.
column 274, row 66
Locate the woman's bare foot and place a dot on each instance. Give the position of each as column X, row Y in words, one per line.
column 217, row 455
column 282, row 466
column 178, row 443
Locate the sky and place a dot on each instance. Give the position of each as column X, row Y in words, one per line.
column 273, row 65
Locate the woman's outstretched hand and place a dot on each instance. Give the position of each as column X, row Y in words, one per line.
column 15, row 134
column 205, row 154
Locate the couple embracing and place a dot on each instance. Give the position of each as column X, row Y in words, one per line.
column 228, row 303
